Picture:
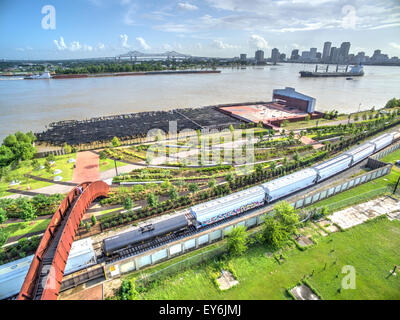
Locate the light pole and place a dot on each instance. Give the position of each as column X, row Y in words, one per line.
column 115, row 163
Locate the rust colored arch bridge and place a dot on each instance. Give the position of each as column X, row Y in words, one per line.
column 45, row 274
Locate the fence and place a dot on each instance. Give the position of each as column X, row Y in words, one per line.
column 144, row 278
column 347, row 184
column 380, row 169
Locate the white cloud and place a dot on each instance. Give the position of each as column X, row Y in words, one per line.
column 60, row 44
column 100, row 46
column 167, row 47
column 395, row 45
column 128, row 16
column 258, row 42
column 222, row 45
column 143, row 43
column 124, row 41
column 185, row 6
column 74, row 46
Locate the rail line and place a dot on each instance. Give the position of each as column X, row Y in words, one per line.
column 45, row 274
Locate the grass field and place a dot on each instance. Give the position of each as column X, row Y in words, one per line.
column 21, row 228
column 366, row 191
column 61, row 162
column 372, row 248
column 108, row 164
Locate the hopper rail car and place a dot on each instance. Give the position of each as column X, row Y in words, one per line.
column 214, row 212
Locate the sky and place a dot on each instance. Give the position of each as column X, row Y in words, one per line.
column 59, row 29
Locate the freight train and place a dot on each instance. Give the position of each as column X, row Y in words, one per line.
column 213, row 211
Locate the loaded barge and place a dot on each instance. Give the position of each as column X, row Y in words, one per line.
column 71, row 76
column 355, row 71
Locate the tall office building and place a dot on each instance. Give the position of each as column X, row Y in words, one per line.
column 344, row 51
column 275, row 55
column 326, row 52
column 243, row 57
column 259, row 56
column 313, row 53
column 334, row 56
column 295, row 55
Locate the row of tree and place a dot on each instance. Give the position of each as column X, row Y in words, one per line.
column 17, row 147
column 278, row 228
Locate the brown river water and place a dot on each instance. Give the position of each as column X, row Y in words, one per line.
column 32, row 104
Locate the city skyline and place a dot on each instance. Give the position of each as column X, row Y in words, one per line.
column 214, row 28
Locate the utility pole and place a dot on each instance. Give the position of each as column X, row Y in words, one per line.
column 395, row 188
column 116, row 170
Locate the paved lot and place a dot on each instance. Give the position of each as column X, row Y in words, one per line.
column 358, row 214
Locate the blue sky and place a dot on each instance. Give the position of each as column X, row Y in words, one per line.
column 220, row 28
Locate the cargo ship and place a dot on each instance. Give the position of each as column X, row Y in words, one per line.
column 355, row 71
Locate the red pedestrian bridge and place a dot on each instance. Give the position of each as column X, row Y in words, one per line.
column 45, row 274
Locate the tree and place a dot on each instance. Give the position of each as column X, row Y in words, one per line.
column 173, row 194
column 280, row 225
column 35, row 165
column 287, row 216
column 193, row 187
column 307, row 118
column 393, row 103
column 115, row 142
column 94, row 220
column 212, row 182
column 3, row 215
column 229, row 177
column 128, row 203
column 67, row 148
column 127, row 290
column 28, row 212
column 166, row 185
column 152, row 200
column 237, row 240
column 3, row 237
column 6, row 156
column 273, row 233
column 51, row 157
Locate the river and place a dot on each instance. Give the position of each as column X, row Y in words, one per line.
column 32, row 104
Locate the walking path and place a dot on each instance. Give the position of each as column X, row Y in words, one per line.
column 87, row 167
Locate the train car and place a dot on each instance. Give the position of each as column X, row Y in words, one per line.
column 382, row 141
column 286, row 185
column 225, row 207
column 12, row 274
column 360, row 153
column 143, row 234
column 333, row 166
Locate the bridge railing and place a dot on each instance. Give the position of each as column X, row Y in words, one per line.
column 91, row 191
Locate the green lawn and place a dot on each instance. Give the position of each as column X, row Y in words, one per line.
column 372, row 248
column 21, row 228
column 108, row 164
column 61, row 162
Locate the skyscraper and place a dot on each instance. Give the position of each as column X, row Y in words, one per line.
column 326, row 52
column 295, row 55
column 344, row 51
column 259, row 56
column 334, row 56
column 275, row 55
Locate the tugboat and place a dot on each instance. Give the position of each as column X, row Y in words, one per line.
column 355, row 71
column 44, row 75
